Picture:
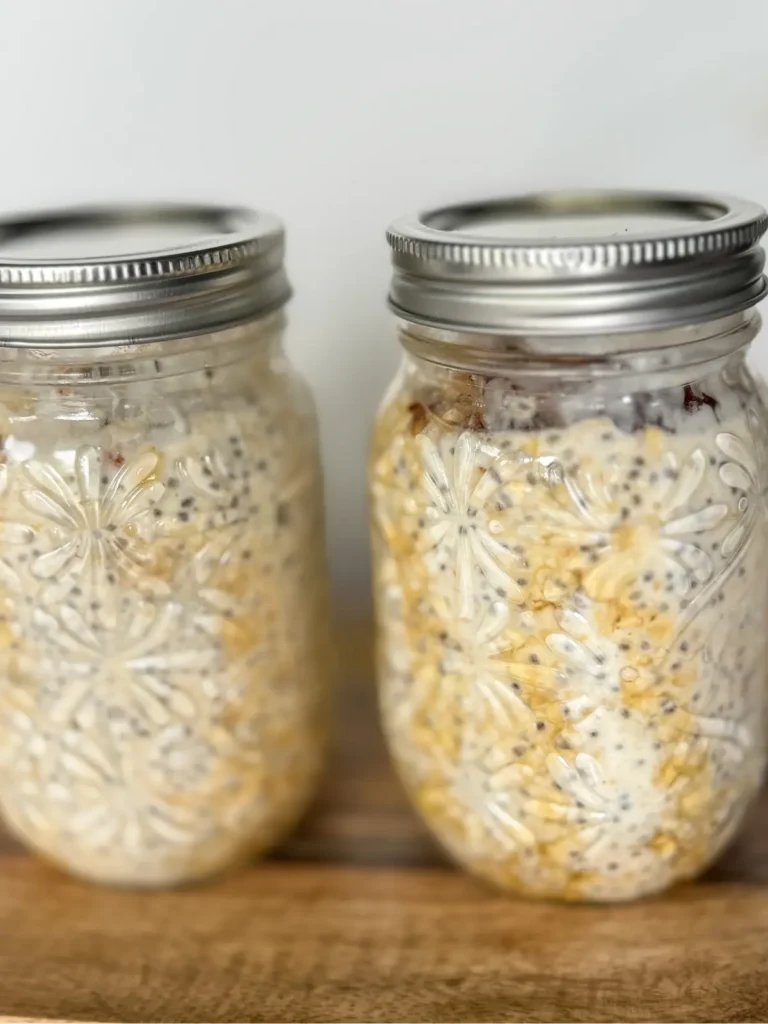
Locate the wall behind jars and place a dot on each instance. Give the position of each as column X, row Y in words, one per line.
column 342, row 114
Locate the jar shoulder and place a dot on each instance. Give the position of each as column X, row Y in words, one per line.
column 255, row 397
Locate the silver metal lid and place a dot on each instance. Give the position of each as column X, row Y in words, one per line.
column 578, row 262
column 93, row 276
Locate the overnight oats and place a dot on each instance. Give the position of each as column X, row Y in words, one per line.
column 162, row 601
column 569, row 557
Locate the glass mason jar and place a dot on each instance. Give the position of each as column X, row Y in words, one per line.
column 162, row 579
column 569, row 530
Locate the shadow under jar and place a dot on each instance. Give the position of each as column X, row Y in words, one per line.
column 569, row 530
column 162, row 578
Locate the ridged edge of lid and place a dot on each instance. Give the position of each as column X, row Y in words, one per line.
column 166, row 291
column 581, row 257
column 124, row 270
column 449, row 276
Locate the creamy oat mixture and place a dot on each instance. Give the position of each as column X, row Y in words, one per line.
column 572, row 630
column 161, row 621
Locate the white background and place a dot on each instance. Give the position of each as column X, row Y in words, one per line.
column 342, row 114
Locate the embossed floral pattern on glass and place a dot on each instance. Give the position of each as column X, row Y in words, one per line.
column 572, row 621
column 91, row 527
column 161, row 622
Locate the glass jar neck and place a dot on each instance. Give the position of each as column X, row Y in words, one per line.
column 260, row 342
column 669, row 355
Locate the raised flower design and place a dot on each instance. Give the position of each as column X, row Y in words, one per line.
column 226, row 563
column 483, row 656
column 687, row 691
column 26, row 732
column 138, row 800
column 118, row 796
column 89, row 525
column 10, row 533
column 621, row 540
column 742, row 473
column 225, row 511
column 587, row 800
column 223, row 491
column 589, row 666
column 36, row 756
column 462, row 476
column 484, row 802
column 129, row 669
column 599, row 818
column 703, row 711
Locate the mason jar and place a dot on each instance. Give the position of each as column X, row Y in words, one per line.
column 162, row 580
column 568, row 486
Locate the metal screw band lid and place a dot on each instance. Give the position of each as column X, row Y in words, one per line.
column 93, row 276
column 578, row 262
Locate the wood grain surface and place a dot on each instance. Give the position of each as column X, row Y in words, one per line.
column 358, row 918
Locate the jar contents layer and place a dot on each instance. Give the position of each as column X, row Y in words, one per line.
column 572, row 647
column 161, row 603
